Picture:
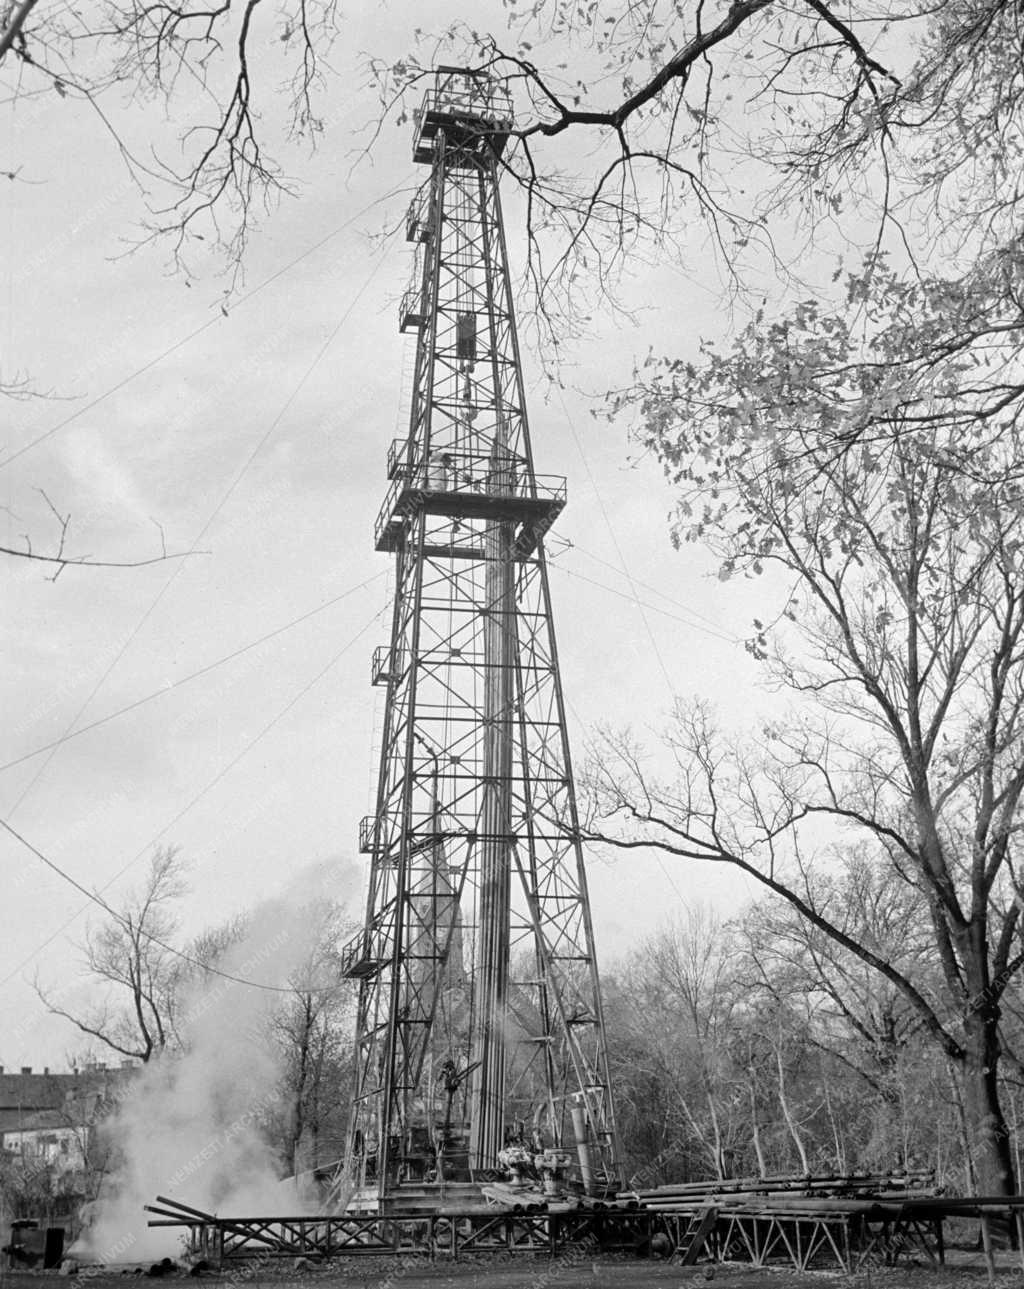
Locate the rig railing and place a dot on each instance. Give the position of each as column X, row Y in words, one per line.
column 465, row 487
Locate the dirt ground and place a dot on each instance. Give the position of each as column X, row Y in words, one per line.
column 535, row 1272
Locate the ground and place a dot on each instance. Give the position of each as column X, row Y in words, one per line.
column 606, row 1272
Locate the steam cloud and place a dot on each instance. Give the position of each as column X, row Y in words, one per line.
column 189, row 1126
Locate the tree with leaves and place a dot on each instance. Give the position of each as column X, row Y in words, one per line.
column 875, row 467
column 906, row 117
column 758, row 130
column 762, row 129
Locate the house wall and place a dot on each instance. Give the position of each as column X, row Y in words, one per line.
column 58, row 1146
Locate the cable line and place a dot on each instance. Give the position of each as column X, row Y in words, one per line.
column 641, row 604
column 648, row 587
column 198, row 331
column 615, row 540
column 96, row 897
column 203, row 531
column 635, row 598
column 153, row 939
column 194, row 675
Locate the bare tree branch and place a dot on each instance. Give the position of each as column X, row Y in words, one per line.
column 12, row 31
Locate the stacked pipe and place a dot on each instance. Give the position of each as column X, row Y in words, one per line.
column 842, row 1187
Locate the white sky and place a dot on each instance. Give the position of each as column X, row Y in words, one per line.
column 287, row 527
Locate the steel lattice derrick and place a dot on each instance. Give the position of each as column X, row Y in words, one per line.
column 479, row 1011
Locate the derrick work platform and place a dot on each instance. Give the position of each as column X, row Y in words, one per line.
column 442, row 1228
column 853, row 1223
column 463, row 489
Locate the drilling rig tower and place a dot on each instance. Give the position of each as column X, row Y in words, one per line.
column 480, row 1035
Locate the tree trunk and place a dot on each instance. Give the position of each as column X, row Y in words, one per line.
column 836, row 1135
column 986, row 1124
column 756, row 1131
column 794, row 1132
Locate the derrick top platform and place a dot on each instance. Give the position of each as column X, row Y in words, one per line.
column 471, row 108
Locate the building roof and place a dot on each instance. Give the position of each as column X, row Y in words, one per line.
column 41, row 1121
column 28, row 1093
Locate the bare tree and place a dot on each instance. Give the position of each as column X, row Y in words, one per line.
column 58, row 555
column 862, row 1021
column 311, row 1031
column 215, row 64
column 131, row 956
column 890, row 503
column 84, row 1111
column 681, row 1006
column 222, row 72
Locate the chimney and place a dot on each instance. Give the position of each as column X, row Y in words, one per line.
column 46, row 1069
column 26, row 1069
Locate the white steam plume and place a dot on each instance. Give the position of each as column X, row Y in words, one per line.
column 188, row 1126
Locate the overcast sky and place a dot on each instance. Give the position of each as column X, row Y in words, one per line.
column 261, row 442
